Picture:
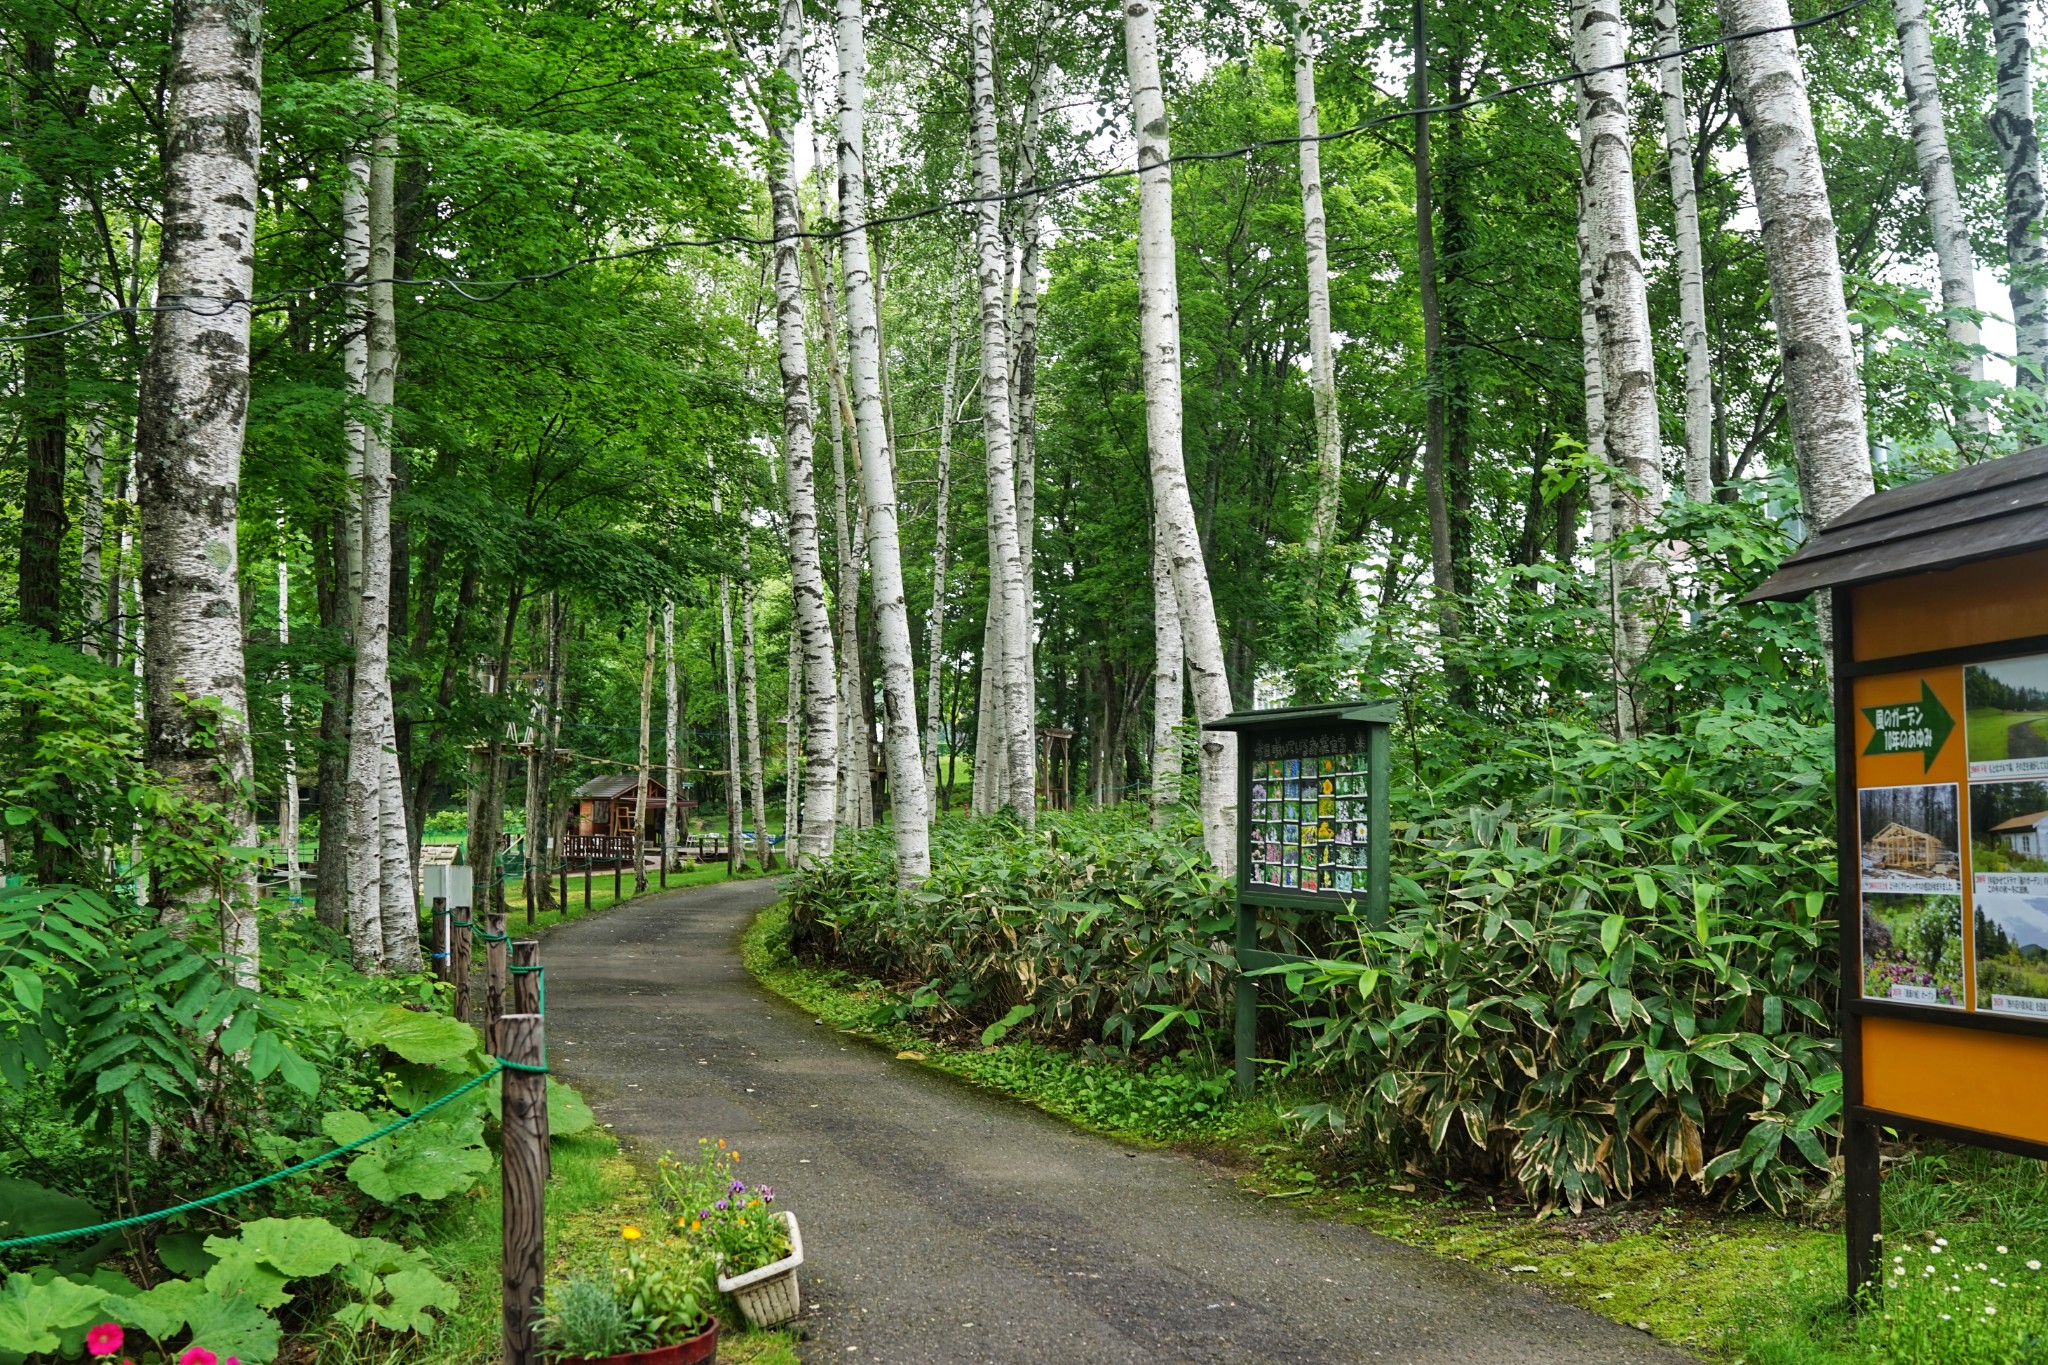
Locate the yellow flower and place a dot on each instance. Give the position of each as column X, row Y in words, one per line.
column 753, row 1203
column 721, row 1144
column 696, row 1224
column 630, row 1233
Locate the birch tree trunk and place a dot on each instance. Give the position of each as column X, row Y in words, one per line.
column 1168, row 667
column 909, row 819
column 1159, row 342
column 355, row 342
column 2019, row 156
column 750, row 699
column 1823, row 392
column 646, row 752
column 1953, row 255
column 1315, row 240
column 735, row 793
column 1692, row 287
column 1442, row 553
column 92, row 522
column 288, row 799
column 812, row 625
column 1628, row 377
column 550, row 738
column 792, row 749
column 1024, row 386
column 673, row 815
column 192, row 404
column 1013, row 633
column 935, row 623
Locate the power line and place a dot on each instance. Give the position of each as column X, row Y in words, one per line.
column 498, row 289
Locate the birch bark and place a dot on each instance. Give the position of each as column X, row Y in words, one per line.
column 1013, row 633
column 1823, row 392
column 750, row 700
column 288, row 799
column 1953, row 255
column 1442, row 555
column 2019, row 156
column 1628, row 378
column 1159, row 342
column 1315, row 241
column 935, row 623
column 192, row 404
column 646, row 753
column 92, row 521
column 735, row 793
column 1024, row 385
column 673, row 817
column 812, row 627
column 909, row 818
column 1168, row 681
column 1692, row 288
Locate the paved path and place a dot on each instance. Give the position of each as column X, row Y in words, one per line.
column 943, row 1226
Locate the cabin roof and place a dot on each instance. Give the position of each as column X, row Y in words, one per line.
column 1999, row 507
column 2020, row 822
column 614, row 785
column 1896, row 828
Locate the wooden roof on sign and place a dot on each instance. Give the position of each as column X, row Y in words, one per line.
column 1369, row 709
column 1999, row 507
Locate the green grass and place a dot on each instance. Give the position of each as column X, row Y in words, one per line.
column 1988, row 730
column 1733, row 1287
column 601, row 894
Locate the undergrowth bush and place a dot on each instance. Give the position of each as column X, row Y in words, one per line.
column 1618, row 981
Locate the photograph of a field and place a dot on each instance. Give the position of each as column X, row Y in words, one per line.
column 2006, row 705
column 1913, row 949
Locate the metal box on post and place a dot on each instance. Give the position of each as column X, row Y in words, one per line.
column 1311, row 828
column 1939, row 609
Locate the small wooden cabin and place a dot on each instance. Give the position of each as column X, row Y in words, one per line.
column 607, row 805
column 1906, row 848
column 2026, row 835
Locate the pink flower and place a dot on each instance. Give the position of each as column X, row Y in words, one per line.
column 104, row 1339
column 198, row 1355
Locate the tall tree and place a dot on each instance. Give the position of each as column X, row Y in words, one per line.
column 1954, row 259
column 1315, row 241
column 1823, row 390
column 942, row 500
column 750, row 703
column 811, row 624
column 1006, row 568
column 1024, row 373
column 909, row 819
column 42, row 109
column 2019, row 155
column 1159, row 346
column 1685, row 234
column 192, row 407
column 673, row 817
column 645, row 771
column 1169, row 673
column 1628, row 377
column 1442, row 557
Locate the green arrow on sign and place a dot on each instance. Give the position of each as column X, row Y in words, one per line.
column 1910, row 727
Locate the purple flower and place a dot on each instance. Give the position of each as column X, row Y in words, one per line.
column 767, row 1193
column 737, row 1187
column 720, row 1206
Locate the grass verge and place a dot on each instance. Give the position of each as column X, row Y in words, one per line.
column 1740, row 1288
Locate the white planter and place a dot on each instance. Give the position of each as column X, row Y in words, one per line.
column 769, row 1296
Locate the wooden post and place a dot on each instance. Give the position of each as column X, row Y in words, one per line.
column 459, row 952
column 524, row 1142
column 618, row 865
column 444, row 962
column 494, row 978
column 586, row 885
column 525, row 983
column 562, row 905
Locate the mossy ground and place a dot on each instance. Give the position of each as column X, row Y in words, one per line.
column 1746, row 1288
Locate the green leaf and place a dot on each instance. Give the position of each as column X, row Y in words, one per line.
column 298, row 1073
column 29, row 1210
column 408, row 1294
column 28, row 988
column 428, row 1038
column 240, row 1274
column 31, row 1314
column 298, row 1247
column 568, row 1115
column 158, row 1312
column 1610, row 933
column 1646, row 890
column 229, row 1325
column 1017, row 1015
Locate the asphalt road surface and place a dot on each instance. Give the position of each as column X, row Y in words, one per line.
column 944, row 1226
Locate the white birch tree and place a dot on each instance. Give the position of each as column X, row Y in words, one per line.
column 942, row 499
column 92, row 522
column 1823, row 390
column 1692, row 287
column 1627, row 356
column 910, row 822
column 1024, row 385
column 1954, row 258
column 646, row 769
column 288, row 798
column 1013, row 633
column 1169, row 668
column 1315, row 240
column 192, row 407
column 2019, row 156
column 750, row 701
column 1159, row 345
column 672, row 814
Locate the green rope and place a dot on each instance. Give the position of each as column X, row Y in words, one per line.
column 188, row 1206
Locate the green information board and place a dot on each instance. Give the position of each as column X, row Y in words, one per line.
column 1312, row 827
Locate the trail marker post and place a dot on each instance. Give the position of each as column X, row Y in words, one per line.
column 1938, row 595
column 495, row 956
column 444, row 965
column 1312, row 829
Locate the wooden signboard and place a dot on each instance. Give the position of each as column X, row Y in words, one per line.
column 1940, row 619
column 1312, row 828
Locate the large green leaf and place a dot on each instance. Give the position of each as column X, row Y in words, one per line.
column 229, row 1325
column 159, row 1312
column 32, row 1315
column 417, row 1037
column 28, row 1209
column 297, row 1247
column 406, row 1296
column 568, row 1115
column 430, row 1160
column 240, row 1274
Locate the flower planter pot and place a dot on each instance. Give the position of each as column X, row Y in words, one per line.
column 701, row 1349
column 769, row 1296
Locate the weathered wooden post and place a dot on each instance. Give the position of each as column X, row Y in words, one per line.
column 460, row 948
column 618, row 866
column 444, row 964
column 494, row 976
column 586, row 884
column 526, row 976
column 524, row 1143
column 562, row 905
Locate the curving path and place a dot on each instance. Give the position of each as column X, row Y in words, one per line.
column 944, row 1226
